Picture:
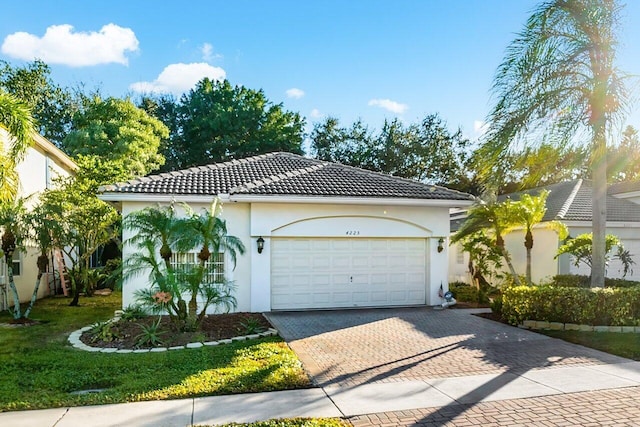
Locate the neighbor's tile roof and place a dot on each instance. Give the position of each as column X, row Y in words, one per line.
column 283, row 174
column 624, row 187
column 572, row 201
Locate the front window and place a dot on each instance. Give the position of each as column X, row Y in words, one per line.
column 214, row 267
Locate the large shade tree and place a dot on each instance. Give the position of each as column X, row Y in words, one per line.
column 558, row 83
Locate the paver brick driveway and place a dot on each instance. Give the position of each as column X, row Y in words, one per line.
column 351, row 347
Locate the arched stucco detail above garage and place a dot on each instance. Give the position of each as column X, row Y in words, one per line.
column 351, row 226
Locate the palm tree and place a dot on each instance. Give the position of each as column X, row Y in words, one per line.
column 159, row 227
column 558, row 84
column 16, row 119
column 13, row 229
column 529, row 212
column 495, row 218
column 207, row 231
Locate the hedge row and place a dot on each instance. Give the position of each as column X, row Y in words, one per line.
column 598, row 307
column 578, row 281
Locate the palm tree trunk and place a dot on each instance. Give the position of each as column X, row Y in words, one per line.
column 17, row 314
column 34, row 296
column 528, row 243
column 599, row 220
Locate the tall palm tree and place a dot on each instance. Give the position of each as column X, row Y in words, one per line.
column 558, row 83
column 16, row 119
column 529, row 212
column 497, row 219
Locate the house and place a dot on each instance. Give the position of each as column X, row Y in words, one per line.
column 42, row 163
column 334, row 236
column 571, row 203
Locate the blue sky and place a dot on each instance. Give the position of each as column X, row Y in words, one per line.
column 350, row 59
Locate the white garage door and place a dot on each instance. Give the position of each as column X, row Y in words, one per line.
column 335, row 273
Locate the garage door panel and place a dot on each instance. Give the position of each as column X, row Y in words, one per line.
column 356, row 272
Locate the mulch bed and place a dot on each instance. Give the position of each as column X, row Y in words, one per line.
column 214, row 327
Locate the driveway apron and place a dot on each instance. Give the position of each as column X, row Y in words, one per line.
column 355, row 347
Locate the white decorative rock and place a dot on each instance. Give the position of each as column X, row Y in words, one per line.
column 177, row 347
column 212, row 343
column 556, row 326
column 158, row 350
column 239, row 339
column 194, row 345
column 124, row 351
column 529, row 324
column 600, row 329
column 571, row 327
column 225, row 341
column 253, row 336
column 108, row 350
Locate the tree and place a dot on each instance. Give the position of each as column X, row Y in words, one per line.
column 529, row 212
column 217, row 122
column 425, row 151
column 79, row 223
column 116, row 130
column 52, row 105
column 177, row 282
column 12, row 225
column 494, row 219
column 581, row 248
column 624, row 158
column 16, row 119
column 557, row 79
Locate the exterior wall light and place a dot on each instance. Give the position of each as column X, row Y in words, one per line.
column 260, row 243
column 440, row 244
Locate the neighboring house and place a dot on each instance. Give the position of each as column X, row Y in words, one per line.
column 42, row 163
column 571, row 203
column 334, row 236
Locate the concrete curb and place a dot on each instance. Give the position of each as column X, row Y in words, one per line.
column 557, row 326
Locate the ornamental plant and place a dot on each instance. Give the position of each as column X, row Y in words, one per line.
column 182, row 289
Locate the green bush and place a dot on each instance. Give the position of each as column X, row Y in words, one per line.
column 578, row 281
column 464, row 292
column 496, row 304
column 611, row 306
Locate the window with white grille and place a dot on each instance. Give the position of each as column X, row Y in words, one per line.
column 185, row 262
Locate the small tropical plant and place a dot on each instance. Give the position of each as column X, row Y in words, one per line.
column 150, row 335
column 250, row 326
column 12, row 226
column 182, row 288
column 581, row 248
column 103, row 331
column 133, row 312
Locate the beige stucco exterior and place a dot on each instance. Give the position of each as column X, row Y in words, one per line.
column 42, row 163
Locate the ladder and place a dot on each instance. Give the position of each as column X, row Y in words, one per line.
column 62, row 268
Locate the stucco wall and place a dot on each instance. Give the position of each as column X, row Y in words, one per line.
column 36, row 172
column 251, row 221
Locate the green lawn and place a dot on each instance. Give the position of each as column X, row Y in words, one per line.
column 39, row 368
column 621, row 344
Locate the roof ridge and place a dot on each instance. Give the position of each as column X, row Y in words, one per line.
column 567, row 204
column 275, row 178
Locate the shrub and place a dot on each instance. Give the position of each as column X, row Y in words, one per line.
column 463, row 292
column 579, row 281
column 496, row 304
column 612, row 306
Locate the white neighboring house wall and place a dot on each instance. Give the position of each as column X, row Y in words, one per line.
column 249, row 221
column 544, row 265
column 42, row 163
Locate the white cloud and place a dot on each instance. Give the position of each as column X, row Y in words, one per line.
column 316, row 114
column 179, row 78
column 61, row 45
column 389, row 105
column 207, row 52
column 479, row 127
column 294, row 93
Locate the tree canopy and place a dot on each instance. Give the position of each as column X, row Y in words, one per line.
column 216, row 121
column 117, row 130
column 426, row 151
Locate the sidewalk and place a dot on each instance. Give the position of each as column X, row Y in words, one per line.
column 336, row 401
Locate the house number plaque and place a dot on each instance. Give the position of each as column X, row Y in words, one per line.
column 353, row 232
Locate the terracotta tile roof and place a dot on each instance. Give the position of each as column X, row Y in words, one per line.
column 284, row 174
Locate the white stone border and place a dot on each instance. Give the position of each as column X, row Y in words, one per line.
column 74, row 339
column 557, row 326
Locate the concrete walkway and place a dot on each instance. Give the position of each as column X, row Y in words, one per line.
column 394, row 367
column 455, row 395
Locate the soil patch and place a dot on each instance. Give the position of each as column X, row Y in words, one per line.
column 124, row 334
column 493, row 316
